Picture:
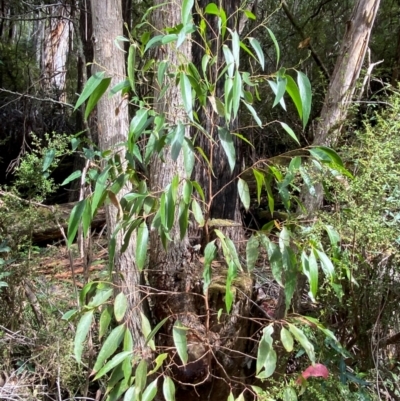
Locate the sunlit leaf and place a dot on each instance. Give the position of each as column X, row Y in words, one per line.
column 244, row 193
column 305, row 95
column 82, row 331
column 209, row 256
column 326, row 263
column 180, row 341
column 141, row 245
column 289, row 131
column 96, row 95
column 168, row 389
column 72, row 177
column 289, row 394
column 255, row 44
column 150, row 392
column 287, row 340
column 48, row 159
column 266, row 355
column 197, row 213
column 131, row 66
column 116, row 360
column 186, row 12
column 277, row 50
column 74, row 219
column 186, row 92
column 109, row 347
column 293, row 92
column 303, row 340
column 92, row 83
column 120, row 306
column 226, row 139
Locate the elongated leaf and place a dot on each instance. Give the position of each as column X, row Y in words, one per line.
column 120, row 306
column 259, row 180
column 280, row 90
column 277, row 50
column 326, row 264
column 74, row 219
column 99, row 189
column 289, row 131
column 254, row 114
column 244, row 193
column 188, row 157
column 305, row 95
column 183, row 218
column 82, row 331
column 326, row 155
column 118, row 359
column 168, row 389
column 310, row 270
column 226, row 139
column 130, row 394
column 186, row 12
column 177, row 141
column 96, row 95
column 159, row 361
column 293, row 91
column 92, row 83
column 252, row 252
column 209, row 256
column 131, row 66
column 186, row 92
column 197, row 213
column 287, row 340
column 141, row 376
column 212, row 8
column 266, row 355
column 289, row 394
column 275, row 258
column 141, row 245
column 303, row 340
column 236, row 91
column 105, row 319
column 255, row 44
column 109, row 347
column 180, row 341
column 72, row 177
column 48, row 159
column 153, row 42
column 333, row 235
column 273, row 85
column 146, row 329
column 150, row 392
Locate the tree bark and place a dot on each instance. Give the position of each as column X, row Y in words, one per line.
column 343, row 84
column 107, row 25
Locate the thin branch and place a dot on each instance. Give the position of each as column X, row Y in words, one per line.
column 314, row 54
column 21, row 95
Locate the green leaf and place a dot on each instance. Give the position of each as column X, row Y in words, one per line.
column 249, row 15
column 183, row 218
column 131, row 66
column 289, row 394
column 96, row 95
column 188, row 157
column 310, row 270
column 326, row 263
column 236, row 91
column 123, row 86
column 212, row 9
column 197, row 213
column 177, row 141
column 259, row 180
column 109, row 347
column 186, row 92
column 48, row 159
column 226, row 139
column 92, row 83
column 116, row 360
column 76, row 174
column 305, row 95
column 275, row 258
column 333, row 235
column 254, row 114
column 326, row 155
column 150, row 392
column 74, row 219
column 290, row 266
column 99, row 188
column 252, row 252
column 209, row 256
column 180, row 341
column 141, row 377
column 266, row 355
column 293, row 91
column 168, row 389
column 229, row 60
column 244, row 193
column 130, row 394
column 287, row 340
column 141, row 245
column 199, row 190
column 105, row 319
column 120, row 306
column 153, row 42
column 186, row 12
column 162, row 68
column 146, row 329
column 289, row 131
column 159, row 361
column 275, row 89
column 303, row 340
column 67, row 315
column 277, row 50
column 280, row 90
column 82, row 331
column 128, row 341
column 255, row 44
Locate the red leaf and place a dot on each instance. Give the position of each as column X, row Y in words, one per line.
column 317, row 370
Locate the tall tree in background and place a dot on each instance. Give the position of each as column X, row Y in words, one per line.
column 113, row 128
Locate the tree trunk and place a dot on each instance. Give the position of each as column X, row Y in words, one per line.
column 107, row 25
column 343, row 83
column 176, row 273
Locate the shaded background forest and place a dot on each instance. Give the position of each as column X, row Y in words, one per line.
column 46, row 51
